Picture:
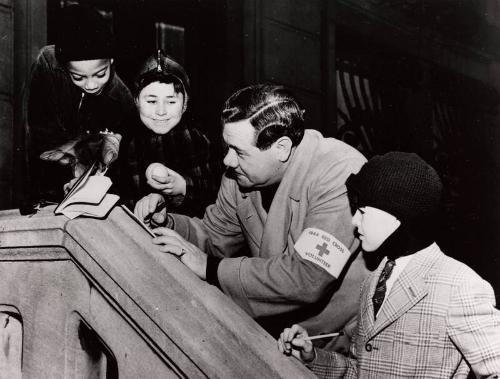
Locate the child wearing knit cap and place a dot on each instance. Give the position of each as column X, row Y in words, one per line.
column 77, row 108
column 174, row 162
column 422, row 314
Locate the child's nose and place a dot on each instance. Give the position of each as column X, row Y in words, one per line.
column 161, row 109
column 356, row 218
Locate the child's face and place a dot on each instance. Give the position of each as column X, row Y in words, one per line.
column 374, row 226
column 91, row 76
column 160, row 107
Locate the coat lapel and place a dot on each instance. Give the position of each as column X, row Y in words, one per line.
column 251, row 220
column 367, row 315
column 408, row 290
column 288, row 195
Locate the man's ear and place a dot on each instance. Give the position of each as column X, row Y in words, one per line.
column 283, row 146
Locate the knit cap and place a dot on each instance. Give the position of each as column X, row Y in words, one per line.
column 399, row 183
column 158, row 66
column 83, row 35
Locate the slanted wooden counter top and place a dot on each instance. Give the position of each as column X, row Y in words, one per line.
column 154, row 317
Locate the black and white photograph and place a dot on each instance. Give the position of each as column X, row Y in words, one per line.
column 249, row 189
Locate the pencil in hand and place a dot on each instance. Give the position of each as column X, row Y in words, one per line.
column 310, row 338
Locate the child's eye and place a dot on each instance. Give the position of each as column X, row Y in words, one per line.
column 151, row 101
column 172, row 102
column 77, row 79
column 101, row 75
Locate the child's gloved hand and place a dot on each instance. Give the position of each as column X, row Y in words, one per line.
column 110, row 147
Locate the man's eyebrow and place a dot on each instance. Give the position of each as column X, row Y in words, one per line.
column 236, row 148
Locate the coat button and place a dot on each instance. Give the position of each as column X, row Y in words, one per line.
column 368, row 347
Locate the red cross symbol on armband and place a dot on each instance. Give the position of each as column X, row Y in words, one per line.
column 322, row 249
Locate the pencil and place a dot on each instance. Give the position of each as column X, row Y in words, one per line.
column 324, row 336
column 134, row 217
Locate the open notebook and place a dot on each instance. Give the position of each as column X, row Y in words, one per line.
column 88, row 196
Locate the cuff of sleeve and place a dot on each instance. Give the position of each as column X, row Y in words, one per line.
column 311, row 361
column 169, row 223
column 211, row 273
column 189, row 188
column 229, row 274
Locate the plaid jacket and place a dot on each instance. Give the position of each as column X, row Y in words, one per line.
column 438, row 319
column 185, row 150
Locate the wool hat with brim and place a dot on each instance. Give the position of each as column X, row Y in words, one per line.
column 399, row 183
column 84, row 34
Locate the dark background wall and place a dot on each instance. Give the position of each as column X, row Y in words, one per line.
column 414, row 75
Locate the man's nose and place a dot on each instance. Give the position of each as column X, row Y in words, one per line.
column 230, row 160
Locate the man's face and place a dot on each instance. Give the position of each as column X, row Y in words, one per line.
column 374, row 226
column 91, row 76
column 160, row 107
column 251, row 166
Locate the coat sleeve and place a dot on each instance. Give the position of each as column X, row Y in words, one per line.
column 473, row 324
column 44, row 122
column 287, row 282
column 330, row 365
column 219, row 232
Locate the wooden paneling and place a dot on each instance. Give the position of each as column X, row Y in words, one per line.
column 6, row 101
column 286, row 42
column 6, row 153
column 6, row 51
column 291, row 57
column 312, row 105
column 301, row 14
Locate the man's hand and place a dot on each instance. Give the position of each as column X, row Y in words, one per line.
column 151, row 208
column 171, row 242
column 166, row 181
column 293, row 342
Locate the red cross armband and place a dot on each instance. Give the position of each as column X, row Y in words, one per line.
column 323, row 249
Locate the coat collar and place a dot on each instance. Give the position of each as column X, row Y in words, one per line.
column 277, row 221
column 300, row 165
column 409, row 289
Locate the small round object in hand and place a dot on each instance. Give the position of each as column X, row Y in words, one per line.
column 158, row 170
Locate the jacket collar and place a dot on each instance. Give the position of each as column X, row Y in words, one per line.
column 409, row 289
column 299, row 167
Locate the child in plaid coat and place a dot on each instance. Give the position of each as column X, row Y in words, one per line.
column 422, row 314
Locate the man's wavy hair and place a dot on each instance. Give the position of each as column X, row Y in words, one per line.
column 271, row 109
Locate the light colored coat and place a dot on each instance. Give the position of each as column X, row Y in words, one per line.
column 438, row 318
column 261, row 271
